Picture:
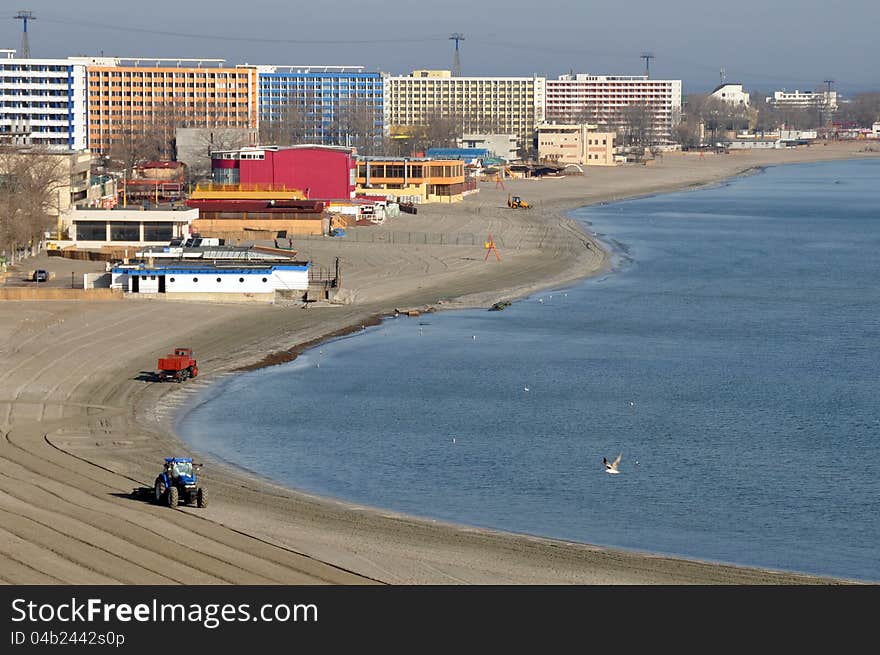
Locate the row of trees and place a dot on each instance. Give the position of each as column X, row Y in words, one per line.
column 705, row 118
column 30, row 181
column 862, row 109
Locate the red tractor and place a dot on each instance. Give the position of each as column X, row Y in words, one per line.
column 178, row 366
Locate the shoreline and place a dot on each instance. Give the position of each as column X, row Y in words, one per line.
column 97, row 412
column 288, row 355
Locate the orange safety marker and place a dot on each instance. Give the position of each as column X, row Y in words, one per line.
column 490, row 247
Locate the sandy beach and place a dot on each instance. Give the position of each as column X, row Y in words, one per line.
column 81, row 425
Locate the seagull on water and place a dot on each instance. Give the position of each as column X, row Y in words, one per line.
column 525, row 388
column 611, row 467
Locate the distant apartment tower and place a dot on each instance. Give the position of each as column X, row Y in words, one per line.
column 131, row 97
column 327, row 105
column 42, row 102
column 826, row 100
column 605, row 100
column 482, row 105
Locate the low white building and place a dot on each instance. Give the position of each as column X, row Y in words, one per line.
column 755, row 144
column 875, row 130
column 803, row 99
column 798, row 135
column 499, row 145
column 732, row 93
column 95, row 228
column 208, row 281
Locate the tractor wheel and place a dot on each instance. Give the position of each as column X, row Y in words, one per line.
column 159, row 490
column 173, row 497
column 202, row 497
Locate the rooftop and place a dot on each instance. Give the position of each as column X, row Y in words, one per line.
column 205, row 267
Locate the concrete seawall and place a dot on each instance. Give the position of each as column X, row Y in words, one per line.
column 14, row 293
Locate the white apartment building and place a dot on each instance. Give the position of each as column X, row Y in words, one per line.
column 43, row 102
column 495, row 105
column 732, row 93
column 822, row 99
column 603, row 100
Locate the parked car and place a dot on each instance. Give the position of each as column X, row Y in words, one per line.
column 41, row 275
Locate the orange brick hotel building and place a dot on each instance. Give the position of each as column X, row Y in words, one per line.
column 126, row 95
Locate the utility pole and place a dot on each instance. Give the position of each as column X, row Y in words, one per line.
column 456, row 62
column 24, row 16
column 827, row 104
column 647, row 56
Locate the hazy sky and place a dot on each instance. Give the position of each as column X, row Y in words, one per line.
column 766, row 44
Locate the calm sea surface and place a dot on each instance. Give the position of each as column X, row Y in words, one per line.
column 732, row 356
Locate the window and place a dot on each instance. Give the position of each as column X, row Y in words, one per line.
column 241, row 279
column 218, row 280
column 195, row 279
column 155, row 231
column 125, row 231
column 265, row 280
column 171, row 279
column 91, row 231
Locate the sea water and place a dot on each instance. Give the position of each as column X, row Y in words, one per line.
column 731, row 356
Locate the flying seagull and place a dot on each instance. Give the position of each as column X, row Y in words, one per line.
column 611, row 467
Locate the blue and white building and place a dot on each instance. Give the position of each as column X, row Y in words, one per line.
column 43, row 102
column 209, row 278
column 320, row 96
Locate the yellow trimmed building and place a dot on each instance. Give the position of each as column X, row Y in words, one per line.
column 422, row 179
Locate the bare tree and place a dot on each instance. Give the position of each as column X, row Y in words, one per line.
column 194, row 147
column 441, row 130
column 30, row 182
column 296, row 121
column 862, row 109
column 133, row 146
column 635, row 128
column 356, row 124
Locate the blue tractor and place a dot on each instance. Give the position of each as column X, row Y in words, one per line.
column 178, row 483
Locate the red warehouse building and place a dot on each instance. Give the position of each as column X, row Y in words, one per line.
column 324, row 172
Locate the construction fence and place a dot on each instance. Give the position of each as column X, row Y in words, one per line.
column 372, row 235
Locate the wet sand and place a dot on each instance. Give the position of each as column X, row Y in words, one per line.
column 81, row 424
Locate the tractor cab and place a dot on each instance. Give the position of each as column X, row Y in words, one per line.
column 516, row 202
column 181, row 470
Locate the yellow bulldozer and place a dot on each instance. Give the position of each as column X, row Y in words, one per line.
column 515, row 202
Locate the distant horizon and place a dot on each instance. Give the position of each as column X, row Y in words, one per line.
column 510, row 39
